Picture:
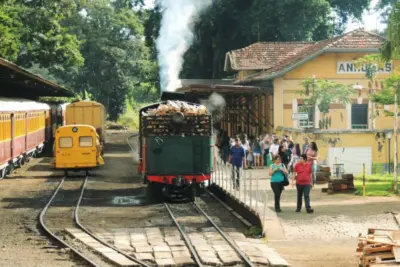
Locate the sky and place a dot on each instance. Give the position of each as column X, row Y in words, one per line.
column 370, row 20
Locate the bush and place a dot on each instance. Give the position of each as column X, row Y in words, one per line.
column 130, row 118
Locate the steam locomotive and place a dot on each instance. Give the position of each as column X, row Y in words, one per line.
column 176, row 149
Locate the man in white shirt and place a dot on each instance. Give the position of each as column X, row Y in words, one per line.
column 274, row 148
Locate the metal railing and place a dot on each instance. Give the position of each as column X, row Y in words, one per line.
column 248, row 193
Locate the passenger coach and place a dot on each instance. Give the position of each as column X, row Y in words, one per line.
column 24, row 128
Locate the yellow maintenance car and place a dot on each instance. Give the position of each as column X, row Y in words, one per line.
column 88, row 113
column 77, row 148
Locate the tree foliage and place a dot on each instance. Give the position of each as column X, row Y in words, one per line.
column 234, row 24
column 95, row 47
column 391, row 48
column 322, row 93
column 105, row 49
column 386, row 95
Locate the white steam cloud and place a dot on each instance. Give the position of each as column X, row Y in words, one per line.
column 175, row 38
column 214, row 103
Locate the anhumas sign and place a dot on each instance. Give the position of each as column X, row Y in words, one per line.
column 344, row 67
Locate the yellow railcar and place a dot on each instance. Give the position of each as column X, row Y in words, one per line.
column 87, row 112
column 77, row 148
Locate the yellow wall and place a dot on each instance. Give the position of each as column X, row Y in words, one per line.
column 286, row 88
column 348, row 139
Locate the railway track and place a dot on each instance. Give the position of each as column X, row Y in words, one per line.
column 177, row 211
column 88, row 257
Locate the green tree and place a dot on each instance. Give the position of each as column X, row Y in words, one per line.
column 322, row 93
column 234, row 24
column 391, row 49
column 386, row 95
column 10, row 30
column 117, row 61
column 47, row 40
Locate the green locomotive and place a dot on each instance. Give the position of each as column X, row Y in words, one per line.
column 177, row 149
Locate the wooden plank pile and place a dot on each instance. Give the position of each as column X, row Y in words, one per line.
column 345, row 184
column 177, row 106
column 379, row 248
column 194, row 120
column 323, row 174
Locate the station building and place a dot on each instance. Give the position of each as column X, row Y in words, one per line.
column 359, row 132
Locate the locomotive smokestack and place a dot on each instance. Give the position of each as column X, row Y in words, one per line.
column 175, row 38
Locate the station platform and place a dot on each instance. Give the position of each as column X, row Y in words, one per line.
column 254, row 194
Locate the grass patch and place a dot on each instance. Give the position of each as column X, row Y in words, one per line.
column 383, row 188
column 130, row 118
column 375, row 177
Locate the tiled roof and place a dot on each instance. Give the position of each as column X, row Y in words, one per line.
column 264, row 55
column 275, row 57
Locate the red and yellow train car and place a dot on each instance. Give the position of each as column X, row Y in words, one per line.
column 25, row 125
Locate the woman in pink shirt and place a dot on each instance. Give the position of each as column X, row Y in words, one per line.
column 312, row 157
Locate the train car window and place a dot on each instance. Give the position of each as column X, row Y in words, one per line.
column 65, row 142
column 85, row 141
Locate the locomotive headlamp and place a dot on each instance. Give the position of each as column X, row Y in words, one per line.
column 74, row 129
column 178, row 117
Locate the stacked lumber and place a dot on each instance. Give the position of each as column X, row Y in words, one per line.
column 193, row 120
column 343, row 184
column 379, row 247
column 177, row 106
column 323, row 174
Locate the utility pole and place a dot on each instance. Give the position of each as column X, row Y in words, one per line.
column 396, row 89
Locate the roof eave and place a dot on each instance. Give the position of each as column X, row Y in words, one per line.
column 307, row 59
column 18, row 69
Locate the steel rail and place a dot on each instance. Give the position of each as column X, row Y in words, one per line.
column 231, row 243
column 83, row 228
column 184, row 235
column 52, row 235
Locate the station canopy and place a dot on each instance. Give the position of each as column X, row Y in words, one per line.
column 245, row 105
column 16, row 82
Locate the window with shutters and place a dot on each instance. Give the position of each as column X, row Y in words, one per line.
column 311, row 113
column 359, row 116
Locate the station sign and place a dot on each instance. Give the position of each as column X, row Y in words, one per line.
column 300, row 116
column 349, row 67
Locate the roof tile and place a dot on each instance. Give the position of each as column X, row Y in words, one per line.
column 271, row 57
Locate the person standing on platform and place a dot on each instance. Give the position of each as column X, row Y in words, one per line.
column 306, row 145
column 265, row 144
column 277, row 171
column 237, row 159
column 312, row 157
column 274, row 148
column 302, row 176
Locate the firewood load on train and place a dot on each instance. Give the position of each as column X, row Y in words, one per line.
column 176, row 155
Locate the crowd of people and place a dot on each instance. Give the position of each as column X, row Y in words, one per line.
column 284, row 159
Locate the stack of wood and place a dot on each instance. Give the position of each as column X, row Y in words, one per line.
column 323, row 174
column 343, row 184
column 177, row 106
column 379, row 248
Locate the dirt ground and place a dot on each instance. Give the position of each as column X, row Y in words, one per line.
column 115, row 198
column 328, row 238
column 21, row 244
